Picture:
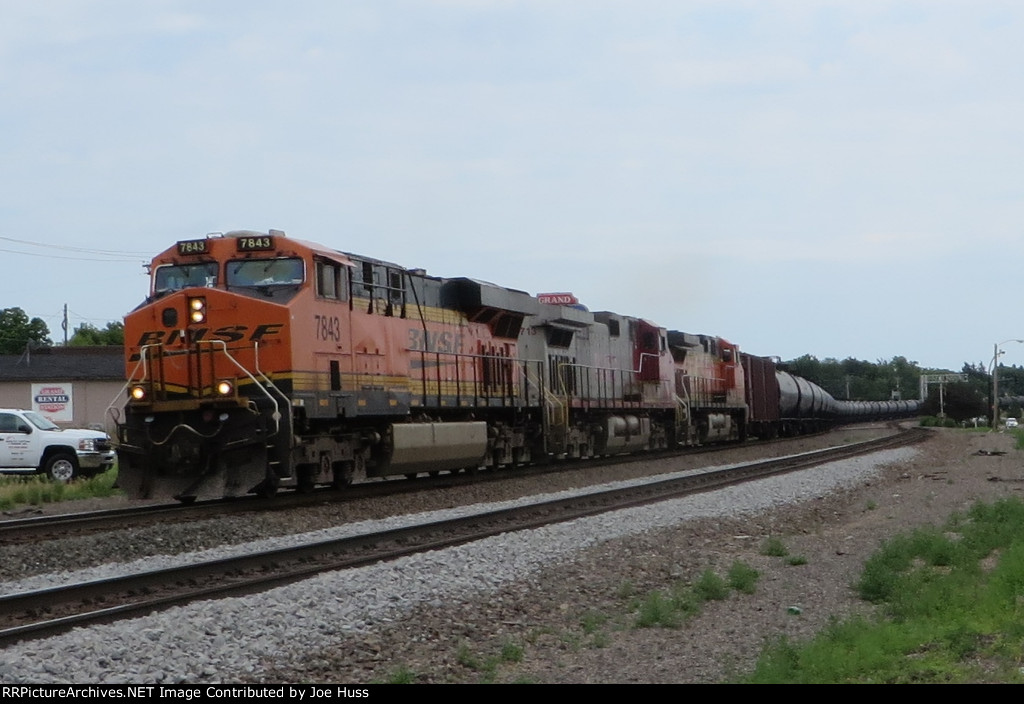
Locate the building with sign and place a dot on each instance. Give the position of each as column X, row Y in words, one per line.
column 72, row 386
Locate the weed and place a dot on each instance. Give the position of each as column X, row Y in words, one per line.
column 626, row 590
column 511, row 652
column 573, row 640
column 710, row 587
column 951, row 610
column 796, row 560
column 401, row 675
column 685, row 601
column 592, row 621
column 535, row 634
column 465, row 657
column 36, row 490
column 774, row 547
column 743, row 577
column 656, row 610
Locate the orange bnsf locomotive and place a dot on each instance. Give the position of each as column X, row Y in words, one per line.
column 259, row 361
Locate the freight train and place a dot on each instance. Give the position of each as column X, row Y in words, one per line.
column 260, row 361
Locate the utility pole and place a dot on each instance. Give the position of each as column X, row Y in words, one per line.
column 995, row 381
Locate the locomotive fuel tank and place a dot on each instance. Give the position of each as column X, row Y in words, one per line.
column 422, row 447
column 622, row 433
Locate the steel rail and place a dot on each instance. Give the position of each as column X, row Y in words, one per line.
column 31, row 614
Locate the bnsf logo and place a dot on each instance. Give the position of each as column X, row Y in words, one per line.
column 228, row 333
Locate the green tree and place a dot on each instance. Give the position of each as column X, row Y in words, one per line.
column 979, row 378
column 18, row 332
column 1011, row 380
column 859, row 380
column 960, row 401
column 86, row 334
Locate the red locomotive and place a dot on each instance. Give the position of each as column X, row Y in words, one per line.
column 259, row 361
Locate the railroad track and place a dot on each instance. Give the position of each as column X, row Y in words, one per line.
column 47, row 612
column 23, row 530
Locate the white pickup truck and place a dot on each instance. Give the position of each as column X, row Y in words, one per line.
column 30, row 443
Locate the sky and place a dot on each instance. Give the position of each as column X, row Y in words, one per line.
column 835, row 178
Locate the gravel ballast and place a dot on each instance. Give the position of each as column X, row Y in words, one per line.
column 439, row 616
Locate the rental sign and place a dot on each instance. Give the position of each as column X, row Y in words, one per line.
column 54, row 401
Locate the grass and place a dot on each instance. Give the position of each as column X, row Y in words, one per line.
column 742, row 577
column 509, row 652
column 951, row 609
column 774, row 547
column 593, row 621
column 710, row 587
column 672, row 608
column 400, row 675
column 669, row 608
column 35, row 490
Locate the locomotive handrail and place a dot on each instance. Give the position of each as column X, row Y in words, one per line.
column 666, row 383
column 705, row 388
column 558, row 412
column 276, row 415
column 127, row 383
column 516, row 390
column 270, row 383
column 643, row 355
column 143, row 358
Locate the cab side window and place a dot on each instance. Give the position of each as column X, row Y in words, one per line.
column 330, row 280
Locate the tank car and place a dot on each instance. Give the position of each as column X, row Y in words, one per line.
column 803, row 406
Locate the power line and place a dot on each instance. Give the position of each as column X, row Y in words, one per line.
column 80, row 259
column 75, row 249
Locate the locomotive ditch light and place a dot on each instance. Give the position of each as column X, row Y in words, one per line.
column 197, row 309
column 138, row 393
column 225, row 388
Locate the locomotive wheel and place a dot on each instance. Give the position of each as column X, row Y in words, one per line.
column 344, row 473
column 61, row 467
column 305, row 477
column 266, row 490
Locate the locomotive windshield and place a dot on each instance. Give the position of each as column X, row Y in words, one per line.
column 178, row 276
column 258, row 273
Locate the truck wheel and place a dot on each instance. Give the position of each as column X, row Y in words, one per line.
column 61, row 467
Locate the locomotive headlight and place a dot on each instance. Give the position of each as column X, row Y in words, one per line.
column 138, row 393
column 197, row 309
column 225, row 388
